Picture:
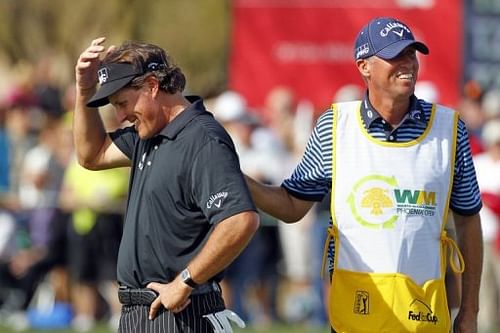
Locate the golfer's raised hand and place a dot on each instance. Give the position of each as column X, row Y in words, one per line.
column 88, row 64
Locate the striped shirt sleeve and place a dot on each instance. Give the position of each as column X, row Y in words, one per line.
column 465, row 196
column 311, row 179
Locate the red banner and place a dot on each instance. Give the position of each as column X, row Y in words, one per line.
column 308, row 45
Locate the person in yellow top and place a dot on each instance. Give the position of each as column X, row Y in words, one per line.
column 97, row 203
column 395, row 165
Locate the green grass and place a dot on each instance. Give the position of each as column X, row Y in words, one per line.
column 284, row 329
column 273, row 329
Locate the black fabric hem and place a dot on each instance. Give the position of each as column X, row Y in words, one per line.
column 227, row 214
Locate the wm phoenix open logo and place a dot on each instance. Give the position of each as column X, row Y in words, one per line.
column 378, row 201
column 361, row 302
column 371, row 202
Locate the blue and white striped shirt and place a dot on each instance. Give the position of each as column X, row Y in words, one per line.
column 312, row 178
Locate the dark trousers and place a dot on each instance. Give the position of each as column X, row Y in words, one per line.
column 134, row 318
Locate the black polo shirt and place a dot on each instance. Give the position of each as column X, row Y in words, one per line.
column 184, row 181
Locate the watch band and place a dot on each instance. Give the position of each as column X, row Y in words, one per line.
column 187, row 279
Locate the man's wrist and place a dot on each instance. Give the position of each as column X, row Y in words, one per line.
column 85, row 93
column 186, row 277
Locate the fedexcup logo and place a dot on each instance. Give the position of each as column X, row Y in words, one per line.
column 102, row 75
column 420, row 311
column 377, row 201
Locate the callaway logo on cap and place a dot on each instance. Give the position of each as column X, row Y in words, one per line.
column 385, row 37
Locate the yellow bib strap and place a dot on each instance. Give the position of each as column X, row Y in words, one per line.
column 454, row 251
column 331, row 234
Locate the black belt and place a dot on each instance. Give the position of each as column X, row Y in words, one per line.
column 146, row 296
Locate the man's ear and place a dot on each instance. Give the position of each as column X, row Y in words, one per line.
column 363, row 67
column 152, row 84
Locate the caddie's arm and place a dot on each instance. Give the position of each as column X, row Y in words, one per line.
column 469, row 236
column 277, row 202
column 94, row 149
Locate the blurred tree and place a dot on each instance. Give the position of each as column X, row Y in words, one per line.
column 194, row 32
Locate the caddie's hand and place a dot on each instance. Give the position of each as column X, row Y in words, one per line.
column 174, row 296
column 221, row 321
column 88, row 64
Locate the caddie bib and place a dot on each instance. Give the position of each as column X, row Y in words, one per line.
column 389, row 207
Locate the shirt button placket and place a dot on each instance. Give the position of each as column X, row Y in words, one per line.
column 155, row 147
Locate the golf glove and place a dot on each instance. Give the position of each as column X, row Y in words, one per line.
column 221, row 321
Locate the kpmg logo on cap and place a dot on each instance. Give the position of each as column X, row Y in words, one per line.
column 362, row 50
column 102, row 74
column 392, row 26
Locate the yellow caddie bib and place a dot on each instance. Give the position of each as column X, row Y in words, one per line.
column 389, row 207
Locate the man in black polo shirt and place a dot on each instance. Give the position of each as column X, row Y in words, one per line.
column 189, row 212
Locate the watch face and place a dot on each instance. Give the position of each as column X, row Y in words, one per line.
column 186, row 278
column 185, row 275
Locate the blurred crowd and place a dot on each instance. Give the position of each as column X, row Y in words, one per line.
column 60, row 225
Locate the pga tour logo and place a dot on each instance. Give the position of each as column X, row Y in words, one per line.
column 102, row 74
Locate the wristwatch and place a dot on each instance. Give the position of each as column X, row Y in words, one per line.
column 186, row 278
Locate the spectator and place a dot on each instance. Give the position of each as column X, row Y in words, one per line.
column 488, row 176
